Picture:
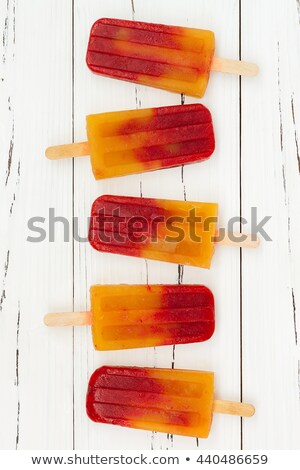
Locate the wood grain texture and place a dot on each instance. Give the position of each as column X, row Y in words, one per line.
column 46, row 91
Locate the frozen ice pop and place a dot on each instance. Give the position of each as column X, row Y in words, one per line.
column 173, row 58
column 164, row 400
column 137, row 316
column 135, row 141
column 174, row 231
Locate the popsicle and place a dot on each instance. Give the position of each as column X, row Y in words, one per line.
column 173, row 58
column 164, row 400
column 138, row 316
column 174, row 231
column 135, row 141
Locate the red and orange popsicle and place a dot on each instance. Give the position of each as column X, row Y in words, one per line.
column 165, row 400
column 127, row 142
column 173, row 58
column 174, row 231
column 137, row 316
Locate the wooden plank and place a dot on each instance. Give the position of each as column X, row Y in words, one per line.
column 97, row 94
column 207, row 181
column 271, row 177
column 35, row 366
column 9, row 188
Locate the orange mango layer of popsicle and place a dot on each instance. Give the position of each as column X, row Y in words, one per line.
column 165, row 400
column 137, row 316
column 173, row 58
column 135, row 141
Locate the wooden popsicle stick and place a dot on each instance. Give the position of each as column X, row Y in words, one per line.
column 237, row 239
column 233, row 408
column 234, row 66
column 68, row 319
column 81, row 149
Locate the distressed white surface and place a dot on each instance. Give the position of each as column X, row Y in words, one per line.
column 44, row 84
column 271, row 278
column 35, row 364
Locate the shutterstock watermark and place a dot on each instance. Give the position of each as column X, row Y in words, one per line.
column 116, row 228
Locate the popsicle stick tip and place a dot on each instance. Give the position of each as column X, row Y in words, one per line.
column 251, row 409
column 255, row 243
column 249, row 69
column 254, row 69
column 245, row 410
column 237, row 67
column 47, row 319
column 49, row 153
column 68, row 319
column 81, row 149
column 237, row 239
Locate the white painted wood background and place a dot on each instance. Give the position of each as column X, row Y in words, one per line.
column 45, row 92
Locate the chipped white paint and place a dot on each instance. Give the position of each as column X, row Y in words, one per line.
column 35, row 83
column 45, row 92
column 271, row 279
